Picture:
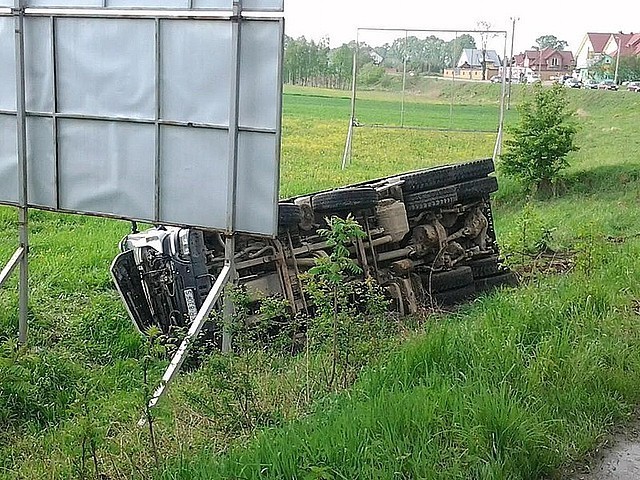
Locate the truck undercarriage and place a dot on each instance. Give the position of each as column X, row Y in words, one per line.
column 429, row 242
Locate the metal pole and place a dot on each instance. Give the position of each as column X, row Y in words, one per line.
column 15, row 260
column 513, row 33
column 404, row 76
column 615, row 76
column 454, row 63
column 498, row 147
column 346, row 157
column 181, row 354
column 23, row 210
column 236, row 42
column 228, row 308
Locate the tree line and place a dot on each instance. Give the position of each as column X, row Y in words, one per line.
column 311, row 63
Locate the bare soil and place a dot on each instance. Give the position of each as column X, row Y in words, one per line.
column 618, row 458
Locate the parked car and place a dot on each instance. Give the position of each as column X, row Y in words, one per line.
column 496, row 79
column 590, row 84
column 563, row 78
column 633, row 86
column 533, row 78
column 572, row 83
column 607, row 85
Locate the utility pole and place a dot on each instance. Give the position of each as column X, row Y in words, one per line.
column 513, row 33
column 615, row 75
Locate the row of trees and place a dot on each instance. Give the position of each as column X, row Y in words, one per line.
column 316, row 64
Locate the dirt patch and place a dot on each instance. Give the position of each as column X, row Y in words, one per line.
column 582, row 113
column 618, row 458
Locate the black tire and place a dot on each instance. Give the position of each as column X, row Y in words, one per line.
column 449, row 280
column 485, row 267
column 454, row 297
column 289, row 216
column 446, row 175
column 489, row 283
column 431, row 198
column 345, row 200
column 478, row 188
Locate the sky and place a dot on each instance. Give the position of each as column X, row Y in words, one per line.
column 569, row 21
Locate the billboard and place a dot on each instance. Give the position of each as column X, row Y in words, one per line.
column 131, row 115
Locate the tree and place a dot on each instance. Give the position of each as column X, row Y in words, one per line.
column 485, row 35
column 542, row 139
column 629, row 68
column 455, row 48
column 550, row 41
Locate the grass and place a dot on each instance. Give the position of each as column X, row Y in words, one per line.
column 507, row 389
column 513, row 386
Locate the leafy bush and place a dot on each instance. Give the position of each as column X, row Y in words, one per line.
column 370, row 75
column 348, row 311
column 541, row 141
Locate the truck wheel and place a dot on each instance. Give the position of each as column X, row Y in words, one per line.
column 454, row 297
column 345, row 200
column 489, row 283
column 449, row 280
column 289, row 216
column 430, row 198
column 446, row 175
column 478, row 188
column 485, row 267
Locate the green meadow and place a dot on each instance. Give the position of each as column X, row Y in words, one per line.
column 517, row 384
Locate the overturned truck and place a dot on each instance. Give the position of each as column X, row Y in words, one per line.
column 429, row 241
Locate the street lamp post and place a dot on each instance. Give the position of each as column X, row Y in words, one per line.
column 615, row 75
column 513, row 33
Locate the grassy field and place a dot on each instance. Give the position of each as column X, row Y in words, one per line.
column 515, row 385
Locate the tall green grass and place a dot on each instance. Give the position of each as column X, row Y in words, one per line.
column 512, row 387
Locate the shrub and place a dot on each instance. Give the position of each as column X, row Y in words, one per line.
column 542, row 139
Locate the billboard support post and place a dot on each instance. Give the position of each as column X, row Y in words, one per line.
column 232, row 189
column 23, row 208
column 181, row 354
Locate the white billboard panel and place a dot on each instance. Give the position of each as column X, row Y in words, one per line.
column 7, row 65
column 259, row 88
column 39, row 75
column 8, row 163
column 258, row 178
column 207, row 161
column 130, row 117
column 41, row 162
column 191, row 66
column 106, row 167
column 106, row 67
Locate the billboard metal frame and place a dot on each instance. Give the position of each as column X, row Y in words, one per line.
column 56, row 117
column 21, row 256
column 227, row 274
column 346, row 157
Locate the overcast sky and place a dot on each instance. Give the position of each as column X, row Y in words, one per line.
column 339, row 19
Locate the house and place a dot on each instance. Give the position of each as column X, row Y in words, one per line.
column 629, row 44
column 376, row 58
column 591, row 49
column 598, row 48
column 470, row 65
column 548, row 63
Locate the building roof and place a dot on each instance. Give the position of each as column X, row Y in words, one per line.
column 630, row 44
column 599, row 41
column 473, row 58
column 538, row 57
